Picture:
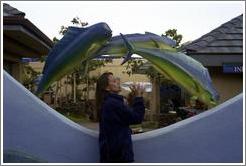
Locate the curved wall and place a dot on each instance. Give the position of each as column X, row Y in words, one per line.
column 33, row 129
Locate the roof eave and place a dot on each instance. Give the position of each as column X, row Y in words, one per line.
column 17, row 20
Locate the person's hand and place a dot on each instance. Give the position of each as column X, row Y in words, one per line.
column 137, row 90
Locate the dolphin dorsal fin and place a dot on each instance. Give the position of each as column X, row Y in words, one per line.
column 71, row 34
column 129, row 47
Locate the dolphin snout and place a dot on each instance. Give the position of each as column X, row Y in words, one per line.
column 107, row 28
column 109, row 33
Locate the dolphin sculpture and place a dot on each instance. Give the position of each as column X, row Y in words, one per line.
column 77, row 45
column 82, row 44
column 117, row 47
column 180, row 68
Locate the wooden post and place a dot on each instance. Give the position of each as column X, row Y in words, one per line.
column 155, row 100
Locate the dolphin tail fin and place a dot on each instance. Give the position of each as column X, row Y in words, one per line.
column 130, row 48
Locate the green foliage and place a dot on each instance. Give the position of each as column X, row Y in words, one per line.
column 172, row 33
column 55, row 40
column 74, row 21
column 77, row 21
column 135, row 65
column 42, row 58
column 80, row 119
column 132, row 66
column 29, row 76
column 63, row 30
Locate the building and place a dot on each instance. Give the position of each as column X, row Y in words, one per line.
column 21, row 39
column 221, row 51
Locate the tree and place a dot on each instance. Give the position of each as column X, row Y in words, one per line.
column 55, row 40
column 29, row 77
column 77, row 21
column 172, row 33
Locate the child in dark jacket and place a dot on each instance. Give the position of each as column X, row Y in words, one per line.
column 115, row 116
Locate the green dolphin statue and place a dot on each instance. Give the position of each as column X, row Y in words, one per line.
column 77, row 45
column 116, row 45
column 82, row 44
column 181, row 69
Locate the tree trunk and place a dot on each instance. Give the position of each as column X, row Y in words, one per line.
column 66, row 96
column 87, row 89
column 74, row 87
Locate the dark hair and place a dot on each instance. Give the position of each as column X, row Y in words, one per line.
column 101, row 91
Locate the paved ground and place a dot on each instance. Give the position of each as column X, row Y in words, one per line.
column 95, row 126
column 91, row 125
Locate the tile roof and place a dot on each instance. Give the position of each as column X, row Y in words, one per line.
column 11, row 11
column 226, row 39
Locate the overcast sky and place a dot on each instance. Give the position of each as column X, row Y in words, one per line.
column 191, row 19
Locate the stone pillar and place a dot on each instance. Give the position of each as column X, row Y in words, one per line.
column 155, row 100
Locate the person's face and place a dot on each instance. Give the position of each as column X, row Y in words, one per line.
column 113, row 86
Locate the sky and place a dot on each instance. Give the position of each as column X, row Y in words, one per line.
column 192, row 19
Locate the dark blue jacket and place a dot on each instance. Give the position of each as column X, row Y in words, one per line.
column 115, row 134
